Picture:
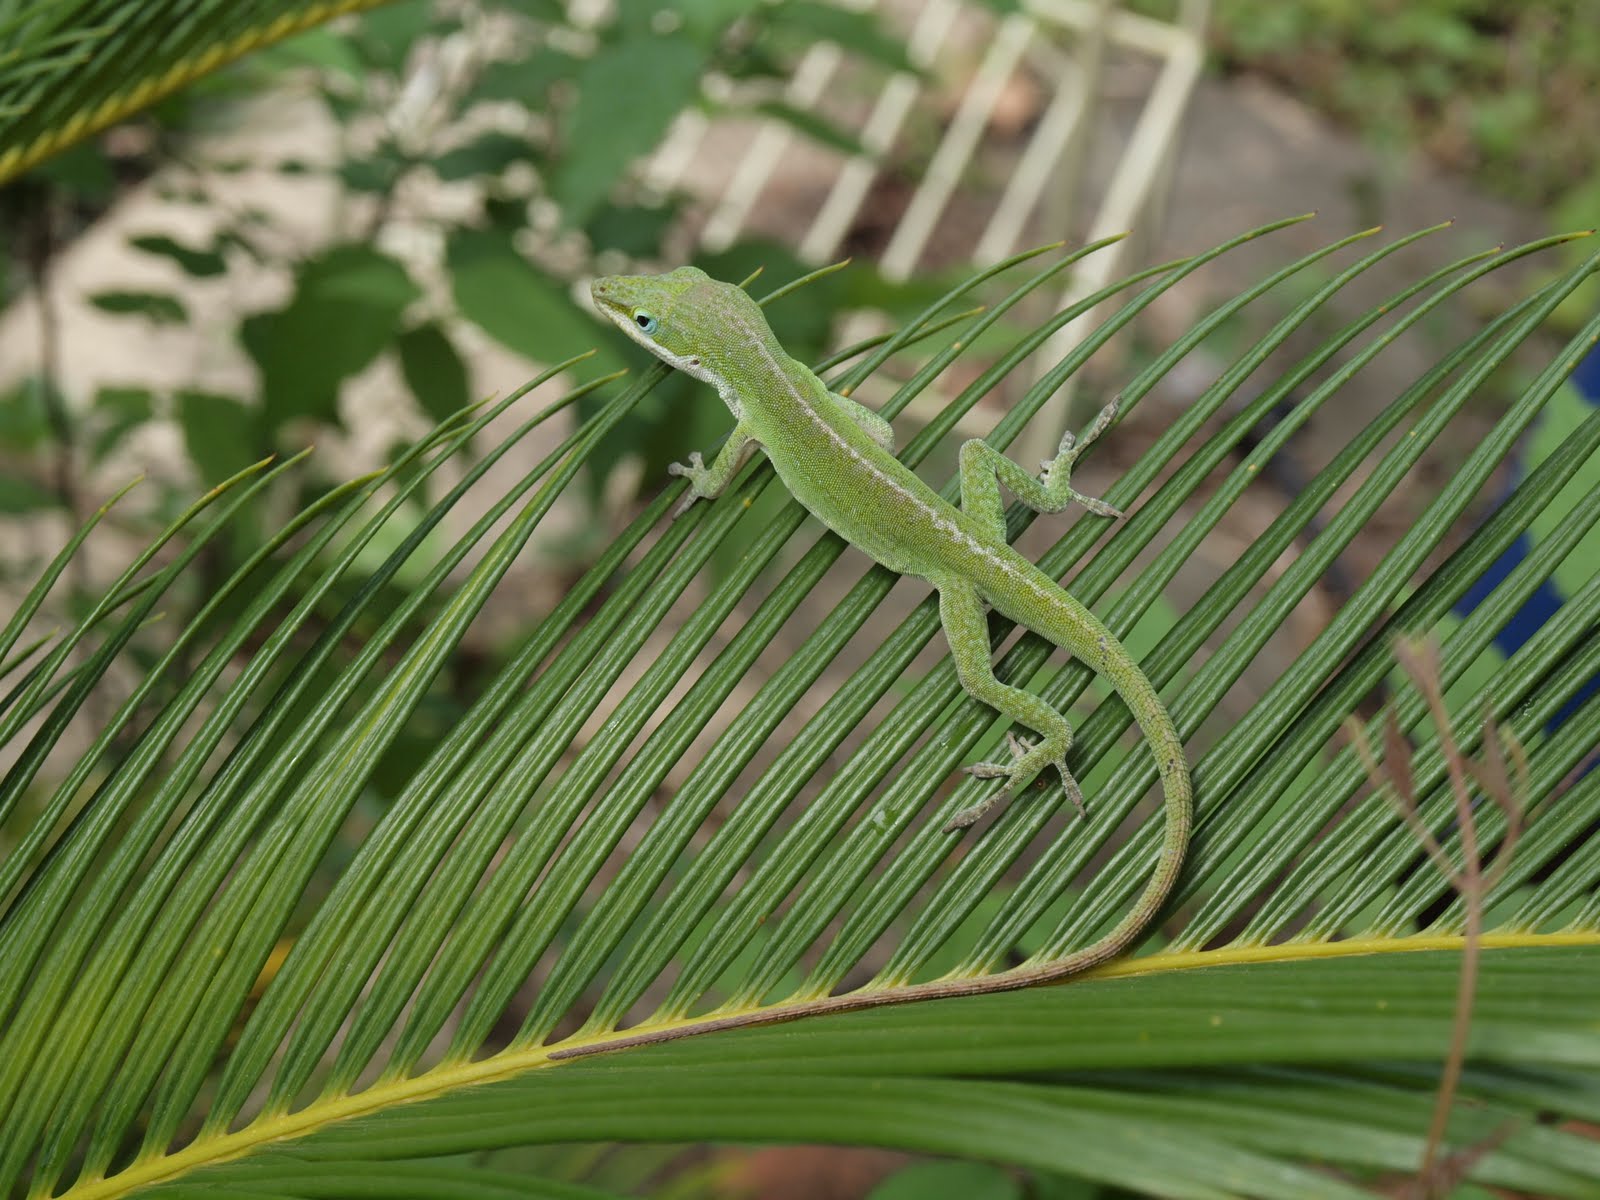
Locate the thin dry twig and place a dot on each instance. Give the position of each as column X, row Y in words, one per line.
column 1436, row 1174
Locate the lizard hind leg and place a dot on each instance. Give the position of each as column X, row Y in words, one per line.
column 961, row 613
column 875, row 427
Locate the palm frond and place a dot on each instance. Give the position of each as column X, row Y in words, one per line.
column 542, row 939
column 70, row 68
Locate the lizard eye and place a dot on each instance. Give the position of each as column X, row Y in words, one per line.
column 644, row 321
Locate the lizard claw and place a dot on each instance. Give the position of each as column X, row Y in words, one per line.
column 1025, row 765
column 696, row 466
column 694, row 472
column 1067, row 455
column 1097, row 506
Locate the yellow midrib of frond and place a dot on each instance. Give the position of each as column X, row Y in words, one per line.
column 17, row 159
column 446, row 1078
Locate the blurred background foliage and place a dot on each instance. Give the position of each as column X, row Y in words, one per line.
column 540, row 116
column 535, row 118
column 474, row 180
column 471, row 182
column 1502, row 91
column 536, row 115
column 1501, row 94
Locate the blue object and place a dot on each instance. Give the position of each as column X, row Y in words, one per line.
column 1545, row 601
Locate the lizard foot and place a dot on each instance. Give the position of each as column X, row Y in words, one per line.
column 1027, row 760
column 1067, row 455
column 696, row 473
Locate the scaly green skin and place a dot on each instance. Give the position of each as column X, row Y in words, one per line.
column 836, row 458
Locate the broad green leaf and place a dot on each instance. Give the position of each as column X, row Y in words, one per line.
column 222, row 435
column 322, row 49
column 385, row 36
column 375, row 174
column 512, row 301
column 118, row 411
column 433, row 370
column 488, row 154
column 20, row 496
column 347, row 307
column 543, row 10
column 526, row 80
column 628, row 93
column 708, row 19
column 82, row 169
column 948, row 1181
column 859, row 31
column 634, row 230
column 24, row 421
column 199, row 263
column 814, row 125
column 1062, row 1079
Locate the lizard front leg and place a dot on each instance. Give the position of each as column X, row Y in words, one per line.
column 707, row 483
column 967, row 631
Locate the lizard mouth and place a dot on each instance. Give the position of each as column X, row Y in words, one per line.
column 610, row 296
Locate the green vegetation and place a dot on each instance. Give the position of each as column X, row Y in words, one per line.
column 248, row 946
column 539, row 117
column 1505, row 92
column 310, row 888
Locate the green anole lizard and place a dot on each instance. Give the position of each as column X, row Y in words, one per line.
column 836, row 458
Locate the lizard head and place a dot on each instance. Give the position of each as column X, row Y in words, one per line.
column 685, row 318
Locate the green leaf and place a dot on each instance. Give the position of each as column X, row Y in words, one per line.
column 117, row 412
column 220, row 433
column 628, row 94
column 512, row 301
column 22, row 497
column 433, row 370
column 550, row 11
column 814, row 125
column 859, row 32
column 199, row 263
column 160, row 307
column 488, row 154
column 347, row 307
column 1030, row 1078
column 24, row 421
column 708, row 20
column 634, row 230
column 373, row 175
column 83, row 170
column 948, row 1181
column 526, row 80
column 322, row 49
column 385, row 35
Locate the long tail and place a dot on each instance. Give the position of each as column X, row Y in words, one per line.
column 1074, row 628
